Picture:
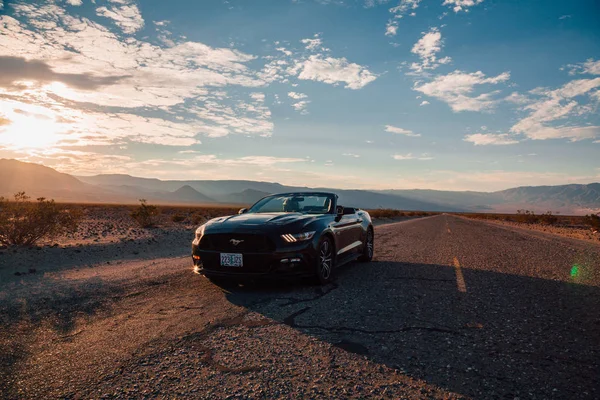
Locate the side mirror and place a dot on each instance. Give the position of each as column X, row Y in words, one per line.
column 243, row 211
column 339, row 212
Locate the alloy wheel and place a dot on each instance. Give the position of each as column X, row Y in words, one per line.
column 325, row 260
column 370, row 243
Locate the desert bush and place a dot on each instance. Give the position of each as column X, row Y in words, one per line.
column 548, row 218
column 593, row 220
column 24, row 222
column 144, row 214
column 197, row 218
column 526, row 217
column 178, row 218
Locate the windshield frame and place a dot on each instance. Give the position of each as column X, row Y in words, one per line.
column 260, row 203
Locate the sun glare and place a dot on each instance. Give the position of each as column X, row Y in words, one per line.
column 27, row 130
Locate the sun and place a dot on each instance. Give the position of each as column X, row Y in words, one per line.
column 31, row 130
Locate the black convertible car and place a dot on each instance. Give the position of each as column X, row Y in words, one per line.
column 299, row 234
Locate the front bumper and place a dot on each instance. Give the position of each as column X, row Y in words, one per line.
column 295, row 261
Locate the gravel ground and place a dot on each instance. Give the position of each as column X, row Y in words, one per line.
column 449, row 308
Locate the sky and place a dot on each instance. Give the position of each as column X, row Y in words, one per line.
column 433, row 94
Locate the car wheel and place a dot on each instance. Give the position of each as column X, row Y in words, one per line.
column 325, row 261
column 369, row 247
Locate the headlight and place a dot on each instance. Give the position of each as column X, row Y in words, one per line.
column 199, row 233
column 298, row 237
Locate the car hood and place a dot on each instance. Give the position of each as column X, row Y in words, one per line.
column 258, row 221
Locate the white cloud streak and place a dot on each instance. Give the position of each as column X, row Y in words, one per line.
column 334, row 71
column 461, row 5
column 456, row 89
column 398, row 12
column 427, row 48
column 485, row 139
column 400, row 131
column 297, row 96
column 410, row 156
column 555, row 105
column 126, row 16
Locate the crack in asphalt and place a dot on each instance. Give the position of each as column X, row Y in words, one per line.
column 291, row 321
column 319, row 291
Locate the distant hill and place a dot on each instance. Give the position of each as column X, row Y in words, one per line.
column 574, row 198
column 38, row 180
column 187, row 194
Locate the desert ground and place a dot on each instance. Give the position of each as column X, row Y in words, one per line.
column 450, row 308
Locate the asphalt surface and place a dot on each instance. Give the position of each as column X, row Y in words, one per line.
column 449, row 308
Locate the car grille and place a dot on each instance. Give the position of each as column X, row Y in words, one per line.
column 248, row 243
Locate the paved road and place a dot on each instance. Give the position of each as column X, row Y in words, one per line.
column 450, row 308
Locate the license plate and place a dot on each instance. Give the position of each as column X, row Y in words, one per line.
column 231, row 260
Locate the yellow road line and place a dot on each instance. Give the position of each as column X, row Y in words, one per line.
column 460, row 279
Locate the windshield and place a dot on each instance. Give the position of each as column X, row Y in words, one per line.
column 295, row 203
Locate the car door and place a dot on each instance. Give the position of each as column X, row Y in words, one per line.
column 348, row 233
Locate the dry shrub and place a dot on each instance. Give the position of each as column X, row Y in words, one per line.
column 526, row 217
column 178, row 218
column 24, row 222
column 197, row 218
column 548, row 218
column 144, row 214
column 593, row 220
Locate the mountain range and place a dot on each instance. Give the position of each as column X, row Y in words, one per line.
column 38, row 180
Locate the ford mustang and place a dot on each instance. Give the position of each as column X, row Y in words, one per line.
column 290, row 234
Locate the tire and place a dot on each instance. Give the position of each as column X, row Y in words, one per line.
column 369, row 247
column 325, row 261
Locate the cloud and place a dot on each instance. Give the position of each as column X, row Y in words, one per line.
column 75, row 3
column 555, row 105
column 518, row 98
column 409, row 156
column 71, row 65
column 335, row 70
column 260, row 97
column 484, row 139
column 400, row 131
column 398, row 12
column 351, row 155
column 15, row 69
column 424, row 103
column 564, row 16
column 157, row 76
column 319, row 67
column 126, row 16
column 312, row 44
column 301, row 106
column 426, row 48
column 461, row 5
column 391, row 28
column 456, row 90
column 297, row 96
column 591, row 67
column 53, row 125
